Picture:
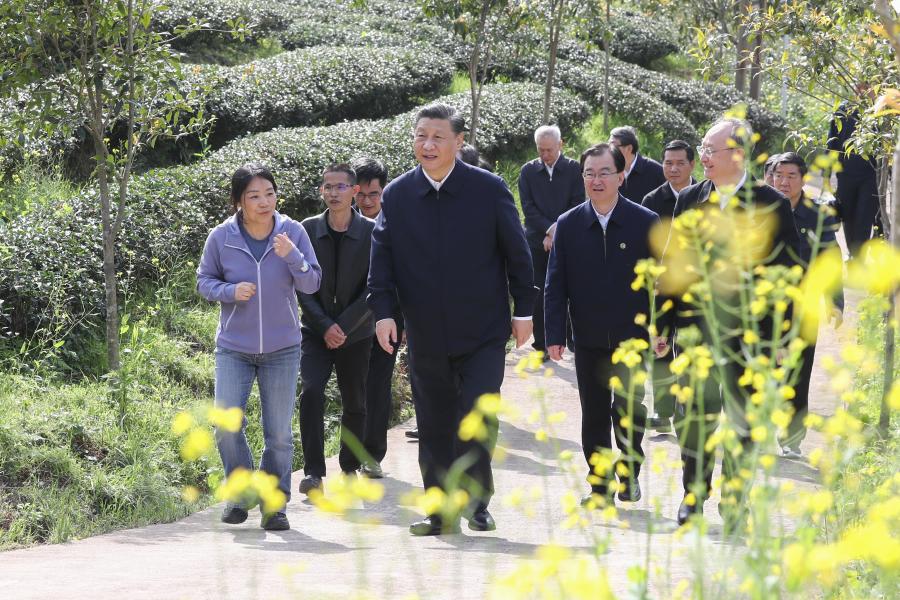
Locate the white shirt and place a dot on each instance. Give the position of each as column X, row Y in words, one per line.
column 437, row 184
column 550, row 167
column 604, row 219
column 724, row 199
column 628, row 170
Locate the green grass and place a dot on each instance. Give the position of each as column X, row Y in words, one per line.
column 459, row 83
column 229, row 52
column 31, row 186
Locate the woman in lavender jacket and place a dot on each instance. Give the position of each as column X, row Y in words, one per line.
column 253, row 264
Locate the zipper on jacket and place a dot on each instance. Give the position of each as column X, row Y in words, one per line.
column 605, row 261
column 258, row 287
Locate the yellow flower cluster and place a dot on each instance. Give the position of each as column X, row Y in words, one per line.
column 251, row 487
column 343, row 492
column 473, row 425
column 555, row 573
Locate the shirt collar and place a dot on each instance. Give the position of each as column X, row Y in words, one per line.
column 631, row 168
column 550, row 167
column 604, row 219
column 437, row 184
column 723, row 199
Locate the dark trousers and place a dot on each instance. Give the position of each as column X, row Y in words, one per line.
column 602, row 411
column 378, row 397
column 663, row 400
column 316, row 363
column 796, row 430
column 445, row 389
column 858, row 198
column 539, row 260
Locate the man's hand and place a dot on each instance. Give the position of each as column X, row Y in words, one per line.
column 521, row 330
column 386, row 333
column 556, row 352
column 335, row 337
column 837, row 317
column 548, row 239
column 244, row 291
column 661, row 346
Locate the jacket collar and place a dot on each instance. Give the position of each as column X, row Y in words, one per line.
column 233, row 235
column 451, row 184
column 589, row 217
column 354, row 231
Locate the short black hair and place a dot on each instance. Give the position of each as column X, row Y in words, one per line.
column 242, row 178
column 369, row 169
column 341, row 168
column 440, row 110
column 790, row 158
column 469, row 154
column 676, row 145
column 627, row 136
column 600, row 150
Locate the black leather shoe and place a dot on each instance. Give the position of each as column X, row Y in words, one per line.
column 310, row 483
column 631, row 491
column 686, row 510
column 371, row 470
column 481, row 520
column 433, row 525
column 234, row 515
column 277, row 521
column 660, row 424
column 413, row 433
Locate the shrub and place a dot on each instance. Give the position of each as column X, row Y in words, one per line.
column 50, row 259
column 318, row 85
column 638, row 38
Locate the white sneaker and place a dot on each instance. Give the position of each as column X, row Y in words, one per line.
column 792, row 453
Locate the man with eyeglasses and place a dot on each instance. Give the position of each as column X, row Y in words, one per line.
column 450, row 247
column 337, row 325
column 589, row 276
column 678, row 166
column 768, row 236
column 642, row 174
column 549, row 185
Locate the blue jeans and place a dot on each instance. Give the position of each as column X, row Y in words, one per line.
column 276, row 372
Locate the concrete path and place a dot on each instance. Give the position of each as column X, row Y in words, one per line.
column 326, row 556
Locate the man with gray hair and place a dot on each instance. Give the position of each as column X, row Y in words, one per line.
column 642, row 174
column 549, row 185
column 727, row 192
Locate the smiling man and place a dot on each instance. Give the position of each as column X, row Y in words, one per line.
column 595, row 250
column 337, row 325
column 449, row 246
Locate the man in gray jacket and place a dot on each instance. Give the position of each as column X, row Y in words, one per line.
column 337, row 325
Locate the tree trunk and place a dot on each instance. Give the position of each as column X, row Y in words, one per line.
column 607, row 36
column 742, row 51
column 474, row 63
column 892, row 234
column 555, row 26
column 756, row 61
column 109, row 265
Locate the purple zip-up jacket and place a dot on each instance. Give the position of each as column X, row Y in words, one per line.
column 268, row 321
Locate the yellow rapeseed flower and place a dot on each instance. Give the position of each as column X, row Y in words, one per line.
column 472, row 427
column 182, row 422
column 228, row 419
column 199, row 442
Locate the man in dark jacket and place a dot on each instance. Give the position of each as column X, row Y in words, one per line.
column 678, row 164
column 549, row 185
column 337, row 325
column 771, row 238
column 449, row 245
column 642, row 174
column 591, row 269
column 816, row 225
column 857, row 184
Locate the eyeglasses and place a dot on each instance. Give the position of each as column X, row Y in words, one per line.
column 707, row 151
column 369, row 196
column 339, row 187
column 602, row 174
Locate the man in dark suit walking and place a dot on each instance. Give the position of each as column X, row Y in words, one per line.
column 678, row 164
column 337, row 325
column 591, row 269
column 549, row 185
column 642, row 174
column 770, row 238
column 449, row 245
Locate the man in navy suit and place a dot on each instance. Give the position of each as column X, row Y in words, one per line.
column 449, row 246
column 595, row 250
column 642, row 174
column 548, row 186
column 678, row 164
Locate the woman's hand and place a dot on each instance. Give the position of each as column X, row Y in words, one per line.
column 244, row 291
column 283, row 245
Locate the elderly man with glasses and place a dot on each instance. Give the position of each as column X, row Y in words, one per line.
column 764, row 234
column 595, row 250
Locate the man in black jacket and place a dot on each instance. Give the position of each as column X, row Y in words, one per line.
column 642, row 174
column 449, row 245
column 549, row 185
column 770, row 237
column 591, row 269
column 678, row 164
column 857, row 183
column 337, row 325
